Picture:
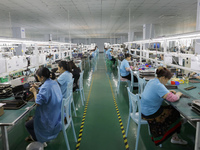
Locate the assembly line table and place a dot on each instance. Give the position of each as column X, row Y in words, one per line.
column 10, row 118
column 183, row 107
column 186, row 110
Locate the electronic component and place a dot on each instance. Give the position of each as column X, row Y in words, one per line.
column 190, row 88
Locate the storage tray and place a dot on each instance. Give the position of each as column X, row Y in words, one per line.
column 13, row 104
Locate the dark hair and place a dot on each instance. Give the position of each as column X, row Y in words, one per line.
column 66, row 65
column 163, row 72
column 73, row 66
column 127, row 55
column 43, row 71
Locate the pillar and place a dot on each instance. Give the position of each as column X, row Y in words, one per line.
column 197, row 46
column 48, row 37
column 19, row 33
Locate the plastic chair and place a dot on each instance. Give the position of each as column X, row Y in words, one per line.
column 66, row 119
column 81, row 88
column 142, row 83
column 70, row 94
column 120, row 79
column 119, row 62
column 134, row 105
column 80, row 65
column 134, row 84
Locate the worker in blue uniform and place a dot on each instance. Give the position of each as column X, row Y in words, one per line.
column 195, row 75
column 125, row 68
column 46, row 124
column 65, row 76
column 164, row 120
column 110, row 57
column 109, row 49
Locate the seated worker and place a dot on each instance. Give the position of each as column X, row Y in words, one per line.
column 105, row 49
column 108, row 50
column 97, row 49
column 46, row 124
column 74, row 53
column 65, row 76
column 92, row 54
column 125, row 68
column 110, row 57
column 195, row 75
column 164, row 121
column 75, row 74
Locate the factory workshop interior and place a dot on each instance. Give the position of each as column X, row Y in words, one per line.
column 100, row 75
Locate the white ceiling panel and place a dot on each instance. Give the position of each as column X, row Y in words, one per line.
column 96, row 18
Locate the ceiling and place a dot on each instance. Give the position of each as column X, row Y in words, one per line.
column 96, row 18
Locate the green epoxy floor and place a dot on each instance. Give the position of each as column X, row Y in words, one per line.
column 101, row 129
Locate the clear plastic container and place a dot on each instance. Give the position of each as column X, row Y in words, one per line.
column 186, row 80
column 35, row 146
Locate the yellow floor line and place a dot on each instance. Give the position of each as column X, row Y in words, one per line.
column 119, row 117
column 83, row 119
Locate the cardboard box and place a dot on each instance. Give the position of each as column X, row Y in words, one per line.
column 1, row 111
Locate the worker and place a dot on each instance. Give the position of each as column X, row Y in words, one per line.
column 92, row 54
column 65, row 76
column 195, row 75
column 164, row 121
column 75, row 74
column 125, row 68
column 107, row 52
column 46, row 124
column 110, row 56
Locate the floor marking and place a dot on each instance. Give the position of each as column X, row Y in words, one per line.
column 83, row 120
column 119, row 117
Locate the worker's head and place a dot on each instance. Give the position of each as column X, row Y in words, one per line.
column 42, row 74
column 72, row 64
column 64, row 66
column 128, row 57
column 163, row 74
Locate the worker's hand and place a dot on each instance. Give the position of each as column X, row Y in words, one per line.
column 198, row 77
column 174, row 92
column 33, row 90
column 36, row 86
column 179, row 94
column 132, row 68
column 193, row 73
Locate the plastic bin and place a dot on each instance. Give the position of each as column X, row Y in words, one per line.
column 4, row 79
column 35, row 146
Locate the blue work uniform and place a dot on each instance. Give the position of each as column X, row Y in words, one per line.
column 151, row 99
column 93, row 54
column 63, row 80
column 196, row 75
column 124, row 65
column 47, row 120
column 109, row 55
column 108, row 51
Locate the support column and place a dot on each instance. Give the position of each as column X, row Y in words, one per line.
column 197, row 144
column 61, row 39
column 131, row 36
column 48, row 37
column 197, row 43
column 19, row 33
column 4, row 138
column 148, row 33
